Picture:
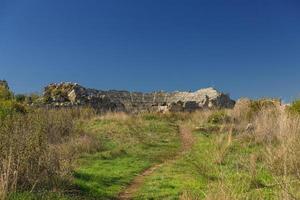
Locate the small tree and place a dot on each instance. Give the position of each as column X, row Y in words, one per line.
column 8, row 103
column 5, row 94
column 20, row 98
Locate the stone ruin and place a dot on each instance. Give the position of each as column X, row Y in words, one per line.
column 72, row 94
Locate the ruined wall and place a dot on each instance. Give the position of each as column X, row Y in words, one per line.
column 64, row 94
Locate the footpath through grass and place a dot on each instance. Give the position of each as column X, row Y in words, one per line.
column 217, row 167
column 130, row 145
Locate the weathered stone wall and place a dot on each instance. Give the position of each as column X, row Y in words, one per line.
column 64, row 94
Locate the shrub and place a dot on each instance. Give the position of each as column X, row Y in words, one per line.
column 37, row 149
column 8, row 104
column 295, row 107
column 33, row 99
column 267, row 126
column 10, row 107
column 261, row 104
column 5, row 94
column 246, row 110
column 20, row 98
column 218, row 117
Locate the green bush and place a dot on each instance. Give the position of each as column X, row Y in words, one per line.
column 27, row 99
column 10, row 107
column 9, row 104
column 257, row 106
column 33, row 99
column 20, row 98
column 218, row 117
column 295, row 107
column 5, row 94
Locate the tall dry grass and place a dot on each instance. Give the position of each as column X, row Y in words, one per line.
column 37, row 149
column 280, row 134
column 278, row 131
column 266, row 124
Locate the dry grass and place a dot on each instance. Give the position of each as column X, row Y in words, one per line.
column 188, row 196
column 198, row 119
column 121, row 116
column 8, row 178
column 282, row 158
column 269, row 126
column 223, row 145
column 278, row 131
column 37, row 149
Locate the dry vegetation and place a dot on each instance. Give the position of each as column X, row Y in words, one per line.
column 37, row 148
column 262, row 124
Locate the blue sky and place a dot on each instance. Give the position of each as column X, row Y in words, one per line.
column 243, row 47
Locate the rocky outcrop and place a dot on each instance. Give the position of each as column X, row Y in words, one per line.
column 72, row 94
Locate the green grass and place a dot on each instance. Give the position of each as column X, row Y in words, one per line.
column 218, row 166
column 197, row 175
column 106, row 178
column 47, row 195
column 130, row 146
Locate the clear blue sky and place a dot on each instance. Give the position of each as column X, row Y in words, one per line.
column 244, row 47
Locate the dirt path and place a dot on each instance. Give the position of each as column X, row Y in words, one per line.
column 186, row 138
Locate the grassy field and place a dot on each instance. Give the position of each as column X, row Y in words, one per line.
column 234, row 154
column 130, row 145
column 207, row 172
